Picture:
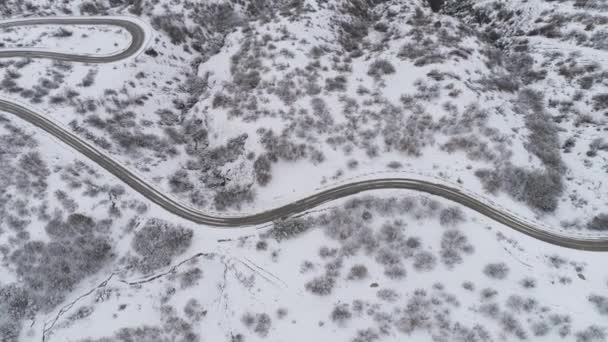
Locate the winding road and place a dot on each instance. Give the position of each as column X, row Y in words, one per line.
column 138, row 33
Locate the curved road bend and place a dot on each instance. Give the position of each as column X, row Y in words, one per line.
column 559, row 238
column 138, row 38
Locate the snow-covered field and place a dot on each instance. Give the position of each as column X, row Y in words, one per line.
column 78, row 39
column 238, row 107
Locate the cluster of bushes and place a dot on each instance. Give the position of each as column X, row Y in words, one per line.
column 158, row 242
column 380, row 67
column 454, row 244
column 259, row 323
column 16, row 304
column 289, row 228
column 599, row 222
column 496, row 270
column 173, row 25
column 77, row 247
column 233, row 197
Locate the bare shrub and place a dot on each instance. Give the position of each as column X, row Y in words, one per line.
column 496, row 270
column 357, row 272
column 173, row 25
column 158, row 242
column 262, row 168
column 341, row 314
column 289, row 228
column 600, row 102
column 592, row 333
column 453, row 245
column 451, row 216
column 600, row 303
column 599, row 222
column 322, row 285
column 232, row 197
column 388, row 295
column 380, row 67
column 337, row 83
column 259, row 323
column 424, row 261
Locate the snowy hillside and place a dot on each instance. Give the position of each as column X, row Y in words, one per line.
column 237, row 107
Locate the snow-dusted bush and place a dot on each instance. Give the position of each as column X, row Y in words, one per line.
column 357, row 272
column 600, row 303
column 262, row 168
column 247, row 81
column 528, row 283
column 158, row 242
column 173, row 25
column 453, row 245
column 281, row 147
column 233, row 197
column 395, row 272
column 380, row 67
column 89, row 78
column 337, row 83
column 538, row 189
column 599, row 222
column 387, row 295
column 51, row 269
column 260, row 323
column 341, row 314
column 190, row 277
column 496, row 270
column 16, row 304
column 592, row 333
column 451, row 216
column 511, row 325
column 289, row 228
column 490, row 180
column 600, row 101
column 424, row 261
column 62, row 32
column 322, row 285
column 180, row 182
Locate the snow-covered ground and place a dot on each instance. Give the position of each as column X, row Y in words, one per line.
column 237, row 108
column 77, row 39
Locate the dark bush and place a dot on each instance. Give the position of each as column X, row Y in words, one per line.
column 453, row 245
column 262, row 168
column 173, row 25
column 591, row 334
column 158, row 242
column 424, row 261
column 234, row 197
column 539, row 189
column 247, row 81
column 451, row 216
column 89, row 79
column 600, row 222
column 380, row 67
column 436, row 5
column 496, row 270
column 322, row 285
column 179, row 182
column 341, row 314
column 357, row 272
column 600, row 303
column 600, row 101
column 289, row 228
column 337, row 83
column 50, row 270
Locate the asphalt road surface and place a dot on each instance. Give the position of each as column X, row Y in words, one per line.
column 555, row 237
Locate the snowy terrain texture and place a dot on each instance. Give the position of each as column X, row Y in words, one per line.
column 234, row 107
